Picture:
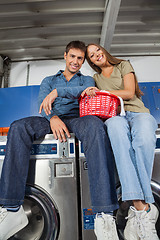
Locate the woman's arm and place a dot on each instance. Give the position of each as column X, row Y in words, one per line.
column 129, row 87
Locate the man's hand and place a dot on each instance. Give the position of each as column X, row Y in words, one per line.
column 90, row 91
column 47, row 102
column 59, row 129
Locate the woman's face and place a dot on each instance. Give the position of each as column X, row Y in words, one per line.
column 96, row 55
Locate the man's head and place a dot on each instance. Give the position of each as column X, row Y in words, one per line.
column 77, row 45
column 74, row 56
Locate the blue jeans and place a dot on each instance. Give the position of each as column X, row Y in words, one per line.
column 133, row 142
column 92, row 133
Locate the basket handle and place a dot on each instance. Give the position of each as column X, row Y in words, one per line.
column 122, row 113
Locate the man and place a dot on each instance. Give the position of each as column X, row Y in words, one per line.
column 58, row 100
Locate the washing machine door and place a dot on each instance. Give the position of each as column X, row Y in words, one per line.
column 42, row 214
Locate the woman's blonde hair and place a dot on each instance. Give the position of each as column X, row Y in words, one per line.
column 113, row 61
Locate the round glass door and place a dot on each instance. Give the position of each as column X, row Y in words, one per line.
column 42, row 215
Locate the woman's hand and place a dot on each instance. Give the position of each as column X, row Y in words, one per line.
column 47, row 102
column 90, row 91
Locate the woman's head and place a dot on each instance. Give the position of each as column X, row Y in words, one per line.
column 98, row 57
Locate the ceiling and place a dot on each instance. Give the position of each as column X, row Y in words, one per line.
column 40, row 29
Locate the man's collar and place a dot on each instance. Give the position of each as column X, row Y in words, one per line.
column 61, row 72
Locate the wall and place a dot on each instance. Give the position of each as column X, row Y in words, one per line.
column 147, row 68
column 37, row 71
column 32, row 73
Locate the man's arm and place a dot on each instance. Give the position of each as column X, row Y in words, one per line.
column 58, row 127
column 75, row 92
column 65, row 92
column 46, row 99
column 46, row 105
column 45, row 90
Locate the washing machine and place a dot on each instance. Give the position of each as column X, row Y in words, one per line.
column 51, row 201
column 86, row 210
column 156, row 177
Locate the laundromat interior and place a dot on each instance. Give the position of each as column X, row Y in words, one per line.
column 33, row 36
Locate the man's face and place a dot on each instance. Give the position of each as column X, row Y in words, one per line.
column 74, row 60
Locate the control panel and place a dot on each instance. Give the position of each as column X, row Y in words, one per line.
column 47, row 147
column 2, row 150
column 44, row 149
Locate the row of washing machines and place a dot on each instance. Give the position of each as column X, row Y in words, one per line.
column 57, row 199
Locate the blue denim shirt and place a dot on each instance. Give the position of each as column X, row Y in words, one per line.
column 66, row 104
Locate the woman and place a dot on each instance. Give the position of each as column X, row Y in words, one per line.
column 132, row 138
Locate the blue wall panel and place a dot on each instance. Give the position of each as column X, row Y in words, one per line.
column 151, row 97
column 18, row 102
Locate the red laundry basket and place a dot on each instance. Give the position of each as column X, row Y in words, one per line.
column 103, row 105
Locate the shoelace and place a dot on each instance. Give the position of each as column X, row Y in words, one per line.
column 109, row 225
column 3, row 212
column 138, row 221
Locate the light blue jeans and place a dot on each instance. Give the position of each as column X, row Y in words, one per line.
column 133, row 142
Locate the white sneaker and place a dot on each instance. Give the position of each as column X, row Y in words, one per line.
column 141, row 225
column 105, row 227
column 11, row 222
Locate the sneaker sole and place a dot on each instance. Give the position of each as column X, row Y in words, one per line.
column 19, row 227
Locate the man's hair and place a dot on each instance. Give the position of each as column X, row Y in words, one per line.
column 76, row 44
